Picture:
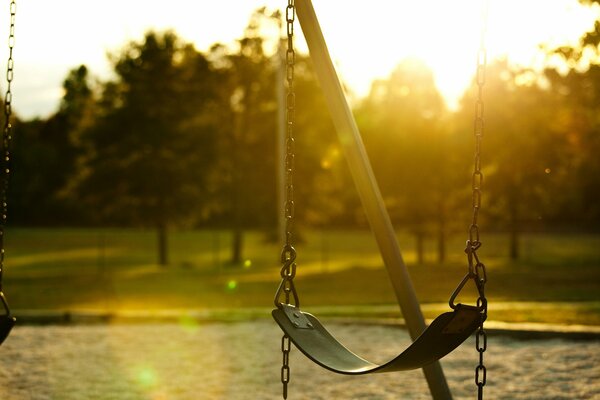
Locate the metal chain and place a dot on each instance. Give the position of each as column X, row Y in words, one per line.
column 286, row 346
column 477, row 269
column 6, row 139
column 288, row 253
column 287, row 291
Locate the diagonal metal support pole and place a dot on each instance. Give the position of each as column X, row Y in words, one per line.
column 367, row 188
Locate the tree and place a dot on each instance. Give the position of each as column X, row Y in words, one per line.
column 45, row 156
column 244, row 179
column 577, row 95
column 402, row 125
column 577, row 91
column 522, row 148
column 322, row 177
column 151, row 146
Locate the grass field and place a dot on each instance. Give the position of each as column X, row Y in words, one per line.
column 556, row 280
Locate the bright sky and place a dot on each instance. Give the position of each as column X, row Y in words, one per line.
column 366, row 39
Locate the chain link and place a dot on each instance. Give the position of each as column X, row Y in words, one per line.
column 477, row 269
column 6, row 139
column 287, row 290
column 286, row 346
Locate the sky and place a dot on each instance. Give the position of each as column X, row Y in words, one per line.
column 366, row 39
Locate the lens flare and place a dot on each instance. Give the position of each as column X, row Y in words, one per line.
column 188, row 323
column 147, row 377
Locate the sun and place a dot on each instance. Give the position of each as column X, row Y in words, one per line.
column 367, row 42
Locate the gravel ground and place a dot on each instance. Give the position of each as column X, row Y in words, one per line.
column 191, row 361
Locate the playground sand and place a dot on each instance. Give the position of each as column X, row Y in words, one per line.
column 241, row 360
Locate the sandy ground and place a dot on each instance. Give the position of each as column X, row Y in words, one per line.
column 189, row 361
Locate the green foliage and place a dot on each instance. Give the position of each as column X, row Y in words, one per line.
column 522, row 147
column 45, row 153
column 151, row 145
column 244, row 178
column 402, row 122
column 576, row 96
column 322, row 178
column 588, row 43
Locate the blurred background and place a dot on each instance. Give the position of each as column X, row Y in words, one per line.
column 144, row 158
column 144, row 187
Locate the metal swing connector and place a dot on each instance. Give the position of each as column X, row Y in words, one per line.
column 481, row 303
column 296, row 317
column 477, row 273
column 286, row 288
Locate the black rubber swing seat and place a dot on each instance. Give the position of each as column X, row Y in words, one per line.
column 7, row 321
column 6, row 324
column 442, row 336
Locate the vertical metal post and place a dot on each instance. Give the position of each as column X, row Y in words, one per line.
column 367, row 188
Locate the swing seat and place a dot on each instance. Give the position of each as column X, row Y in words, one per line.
column 7, row 321
column 444, row 334
column 6, row 324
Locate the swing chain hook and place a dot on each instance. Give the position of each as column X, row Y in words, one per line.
column 288, row 272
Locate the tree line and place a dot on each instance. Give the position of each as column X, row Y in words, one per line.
column 184, row 138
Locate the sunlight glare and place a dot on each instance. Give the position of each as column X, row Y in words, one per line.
column 366, row 40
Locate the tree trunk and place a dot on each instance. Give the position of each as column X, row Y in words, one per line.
column 514, row 233
column 441, row 237
column 441, row 246
column 238, row 192
column 236, row 249
column 514, row 242
column 420, row 251
column 163, row 256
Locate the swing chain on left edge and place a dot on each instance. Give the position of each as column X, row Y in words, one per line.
column 6, row 140
column 286, row 289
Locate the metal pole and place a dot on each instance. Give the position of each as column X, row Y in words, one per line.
column 367, row 188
